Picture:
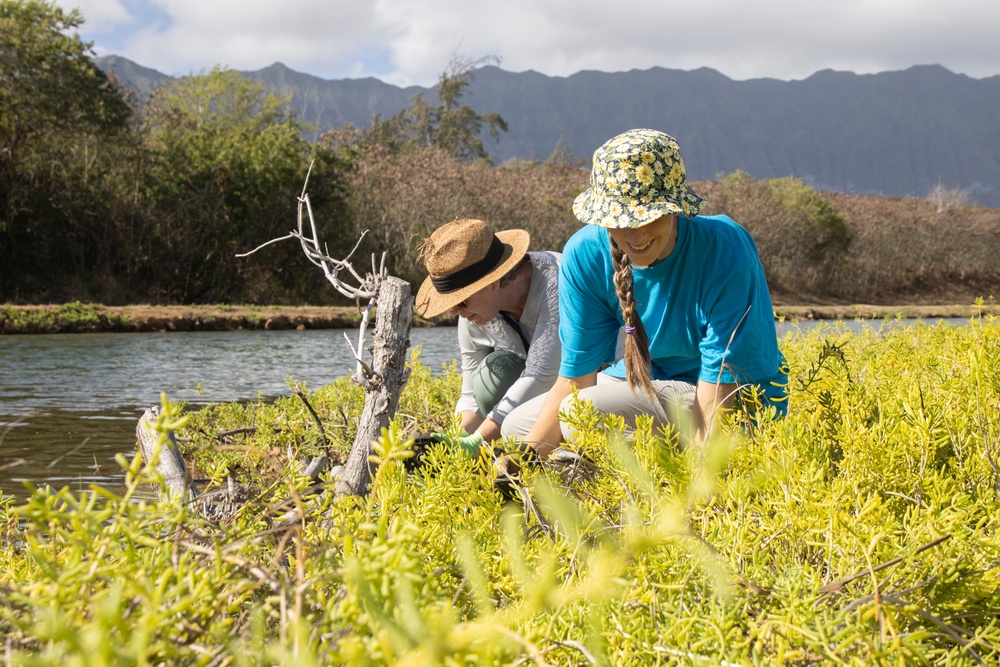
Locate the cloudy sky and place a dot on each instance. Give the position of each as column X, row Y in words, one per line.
column 409, row 42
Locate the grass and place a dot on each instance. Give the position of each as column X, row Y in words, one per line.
column 69, row 317
column 94, row 317
column 859, row 530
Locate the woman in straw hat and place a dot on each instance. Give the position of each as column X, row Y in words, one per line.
column 508, row 328
column 688, row 291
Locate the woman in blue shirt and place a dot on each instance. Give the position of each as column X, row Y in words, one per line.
column 688, row 291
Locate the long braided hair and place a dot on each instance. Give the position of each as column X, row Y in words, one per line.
column 637, row 360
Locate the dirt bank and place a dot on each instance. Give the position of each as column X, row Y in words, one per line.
column 868, row 312
column 90, row 318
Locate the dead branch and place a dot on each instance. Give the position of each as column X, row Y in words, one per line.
column 835, row 586
column 316, row 252
column 361, row 288
column 383, row 379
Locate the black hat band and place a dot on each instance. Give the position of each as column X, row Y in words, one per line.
column 470, row 274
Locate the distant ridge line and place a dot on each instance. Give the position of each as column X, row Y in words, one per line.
column 898, row 133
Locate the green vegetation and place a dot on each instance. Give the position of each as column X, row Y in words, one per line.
column 110, row 198
column 227, row 163
column 107, row 197
column 859, row 530
column 450, row 126
column 76, row 317
column 68, row 317
column 61, row 123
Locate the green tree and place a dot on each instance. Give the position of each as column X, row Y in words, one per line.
column 48, row 82
column 229, row 159
column 57, row 181
column 450, row 126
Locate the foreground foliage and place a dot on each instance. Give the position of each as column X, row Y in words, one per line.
column 859, row 530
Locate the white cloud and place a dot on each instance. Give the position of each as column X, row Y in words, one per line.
column 310, row 35
column 410, row 41
column 100, row 15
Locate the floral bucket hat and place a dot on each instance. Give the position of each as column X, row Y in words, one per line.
column 638, row 177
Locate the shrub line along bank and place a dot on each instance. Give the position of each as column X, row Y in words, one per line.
column 76, row 317
column 96, row 318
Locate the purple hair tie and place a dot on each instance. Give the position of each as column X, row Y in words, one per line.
column 629, row 330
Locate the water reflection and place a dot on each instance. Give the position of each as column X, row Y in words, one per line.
column 84, row 372
column 62, row 448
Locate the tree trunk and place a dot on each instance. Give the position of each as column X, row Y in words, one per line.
column 390, row 342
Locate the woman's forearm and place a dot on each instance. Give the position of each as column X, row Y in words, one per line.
column 546, row 434
column 710, row 401
column 470, row 421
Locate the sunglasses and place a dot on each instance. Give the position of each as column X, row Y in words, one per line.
column 462, row 304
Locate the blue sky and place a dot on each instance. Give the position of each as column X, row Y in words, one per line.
column 409, row 42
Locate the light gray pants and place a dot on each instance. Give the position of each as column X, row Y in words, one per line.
column 610, row 396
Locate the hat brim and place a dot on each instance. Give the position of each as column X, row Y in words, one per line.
column 593, row 208
column 431, row 303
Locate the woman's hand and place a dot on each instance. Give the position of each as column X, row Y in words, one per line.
column 546, row 434
column 469, row 444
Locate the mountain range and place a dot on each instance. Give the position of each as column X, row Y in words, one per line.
column 898, row 133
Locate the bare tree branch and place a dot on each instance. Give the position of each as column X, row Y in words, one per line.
column 360, row 287
column 383, row 380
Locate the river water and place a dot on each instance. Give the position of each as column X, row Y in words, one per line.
column 69, row 403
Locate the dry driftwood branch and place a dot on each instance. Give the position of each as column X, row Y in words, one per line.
column 383, row 379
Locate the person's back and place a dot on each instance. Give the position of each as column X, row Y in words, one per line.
column 529, row 346
column 508, row 307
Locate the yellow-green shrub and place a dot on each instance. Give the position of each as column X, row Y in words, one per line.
column 861, row 529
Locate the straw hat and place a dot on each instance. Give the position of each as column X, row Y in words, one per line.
column 462, row 257
column 638, row 177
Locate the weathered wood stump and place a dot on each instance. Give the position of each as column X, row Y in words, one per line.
column 215, row 505
column 390, row 342
column 383, row 383
column 176, row 482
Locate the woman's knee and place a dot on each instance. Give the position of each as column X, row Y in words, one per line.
column 493, row 377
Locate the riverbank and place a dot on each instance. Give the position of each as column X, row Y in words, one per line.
column 79, row 317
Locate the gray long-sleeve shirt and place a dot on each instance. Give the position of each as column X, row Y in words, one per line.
column 540, row 324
